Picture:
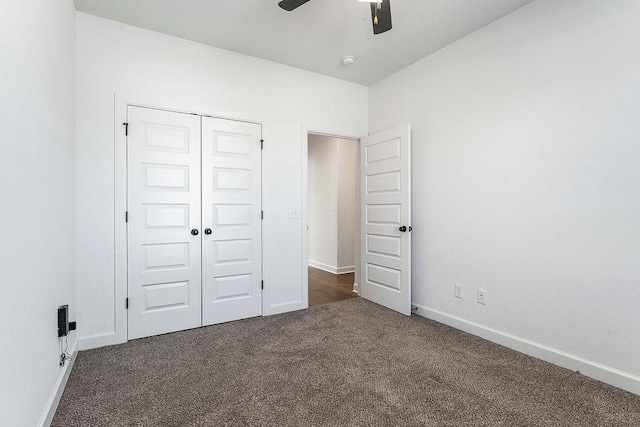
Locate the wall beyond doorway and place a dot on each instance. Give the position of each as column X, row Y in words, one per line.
column 332, row 203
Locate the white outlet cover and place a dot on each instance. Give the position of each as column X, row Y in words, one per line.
column 482, row 296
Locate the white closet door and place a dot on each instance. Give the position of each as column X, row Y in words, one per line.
column 385, row 212
column 164, row 287
column 231, row 219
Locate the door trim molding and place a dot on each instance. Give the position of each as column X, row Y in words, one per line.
column 304, row 214
column 121, row 101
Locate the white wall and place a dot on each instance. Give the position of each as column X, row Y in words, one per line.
column 155, row 68
column 526, row 176
column 331, row 210
column 347, row 150
column 323, row 202
column 37, row 107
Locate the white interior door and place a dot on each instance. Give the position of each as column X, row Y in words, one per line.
column 231, row 218
column 385, row 212
column 164, row 287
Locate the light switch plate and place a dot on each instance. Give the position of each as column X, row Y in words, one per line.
column 457, row 291
column 294, row 213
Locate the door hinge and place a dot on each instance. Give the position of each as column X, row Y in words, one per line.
column 126, row 303
column 261, row 214
column 262, row 284
column 126, row 129
column 126, row 216
column 262, row 144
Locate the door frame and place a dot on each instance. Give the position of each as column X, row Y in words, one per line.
column 121, row 102
column 306, row 130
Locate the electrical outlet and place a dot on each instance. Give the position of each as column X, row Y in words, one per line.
column 457, row 291
column 482, row 297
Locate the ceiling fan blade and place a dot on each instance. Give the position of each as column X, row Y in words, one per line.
column 384, row 17
column 289, row 5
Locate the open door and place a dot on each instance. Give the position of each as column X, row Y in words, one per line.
column 385, row 213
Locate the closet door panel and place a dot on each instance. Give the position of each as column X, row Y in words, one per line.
column 163, row 203
column 231, row 209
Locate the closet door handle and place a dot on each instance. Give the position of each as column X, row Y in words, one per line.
column 194, row 232
column 207, row 231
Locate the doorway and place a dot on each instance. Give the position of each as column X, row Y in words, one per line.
column 332, row 218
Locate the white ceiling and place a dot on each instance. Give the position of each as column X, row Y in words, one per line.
column 316, row 35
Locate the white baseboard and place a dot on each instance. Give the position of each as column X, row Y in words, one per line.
column 102, row 340
column 58, row 389
column 346, row 270
column 614, row 377
column 356, row 288
column 284, row 308
column 331, row 268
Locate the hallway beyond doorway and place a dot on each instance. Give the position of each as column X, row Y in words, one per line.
column 325, row 287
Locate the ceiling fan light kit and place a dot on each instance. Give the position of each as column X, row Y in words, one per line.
column 380, row 12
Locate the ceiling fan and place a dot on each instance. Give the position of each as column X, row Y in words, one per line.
column 380, row 12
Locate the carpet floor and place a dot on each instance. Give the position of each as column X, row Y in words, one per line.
column 350, row 363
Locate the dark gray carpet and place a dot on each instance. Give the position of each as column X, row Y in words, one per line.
column 340, row 364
